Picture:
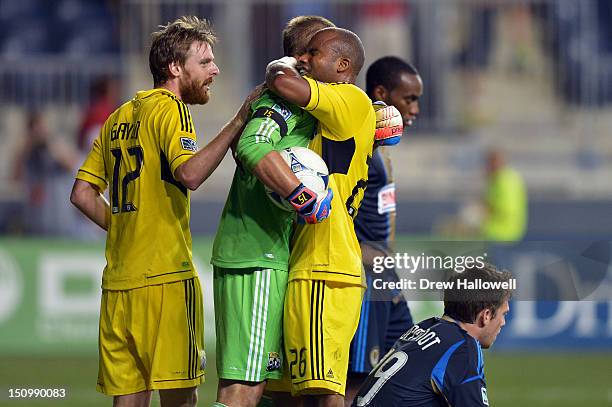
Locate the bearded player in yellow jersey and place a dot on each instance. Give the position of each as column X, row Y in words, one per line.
column 323, row 298
column 151, row 324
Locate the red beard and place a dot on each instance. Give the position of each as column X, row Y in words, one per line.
column 193, row 92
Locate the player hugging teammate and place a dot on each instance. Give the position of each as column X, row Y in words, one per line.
column 321, row 278
column 284, row 318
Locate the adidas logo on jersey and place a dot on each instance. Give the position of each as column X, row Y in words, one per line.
column 330, row 374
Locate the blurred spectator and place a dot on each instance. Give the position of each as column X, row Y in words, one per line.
column 490, row 26
column 104, row 96
column 104, row 100
column 501, row 215
column 475, row 57
column 44, row 165
column 523, row 39
column 505, row 201
column 476, row 52
column 579, row 37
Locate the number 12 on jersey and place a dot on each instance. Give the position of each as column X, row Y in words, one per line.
column 126, row 204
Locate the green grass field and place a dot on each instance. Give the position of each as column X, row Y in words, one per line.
column 514, row 380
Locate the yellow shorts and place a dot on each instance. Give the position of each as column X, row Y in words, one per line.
column 320, row 320
column 151, row 338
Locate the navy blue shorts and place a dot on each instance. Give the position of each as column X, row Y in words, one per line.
column 382, row 322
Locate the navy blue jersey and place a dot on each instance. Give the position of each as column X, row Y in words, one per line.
column 372, row 223
column 435, row 363
column 384, row 318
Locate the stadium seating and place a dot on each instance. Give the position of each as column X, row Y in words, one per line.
column 33, row 27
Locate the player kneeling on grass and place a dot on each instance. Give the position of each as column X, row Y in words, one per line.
column 439, row 362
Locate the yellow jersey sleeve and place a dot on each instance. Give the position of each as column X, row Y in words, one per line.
column 333, row 104
column 178, row 137
column 330, row 250
column 93, row 169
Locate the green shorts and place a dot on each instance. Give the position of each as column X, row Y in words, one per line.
column 249, row 322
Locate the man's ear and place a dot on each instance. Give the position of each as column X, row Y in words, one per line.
column 175, row 69
column 343, row 65
column 484, row 317
column 380, row 93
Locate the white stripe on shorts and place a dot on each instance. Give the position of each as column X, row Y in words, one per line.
column 265, row 321
column 254, row 318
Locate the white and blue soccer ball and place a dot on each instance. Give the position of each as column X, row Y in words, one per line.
column 308, row 167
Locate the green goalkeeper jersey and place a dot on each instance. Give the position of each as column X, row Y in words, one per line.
column 253, row 232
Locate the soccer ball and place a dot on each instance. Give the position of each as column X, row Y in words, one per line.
column 308, row 167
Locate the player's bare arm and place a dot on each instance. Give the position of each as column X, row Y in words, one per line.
column 198, row 168
column 283, row 79
column 88, row 199
column 274, row 172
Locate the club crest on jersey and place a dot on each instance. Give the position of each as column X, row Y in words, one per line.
column 374, row 355
column 386, row 199
column 274, row 361
column 189, row 144
column 485, row 398
column 283, row 111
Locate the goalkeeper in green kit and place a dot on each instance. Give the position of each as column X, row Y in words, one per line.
column 251, row 248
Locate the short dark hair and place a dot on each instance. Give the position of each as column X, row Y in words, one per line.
column 464, row 305
column 350, row 46
column 302, row 28
column 386, row 71
column 171, row 44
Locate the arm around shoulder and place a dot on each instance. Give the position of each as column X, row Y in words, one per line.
column 193, row 172
column 283, row 79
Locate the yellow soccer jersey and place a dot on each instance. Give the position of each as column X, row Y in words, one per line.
column 135, row 155
column 345, row 134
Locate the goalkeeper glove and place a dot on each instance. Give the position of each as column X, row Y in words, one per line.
column 286, row 61
column 389, row 124
column 310, row 207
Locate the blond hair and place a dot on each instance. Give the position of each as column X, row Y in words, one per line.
column 171, row 44
column 299, row 30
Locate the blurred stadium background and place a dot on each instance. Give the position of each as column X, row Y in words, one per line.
column 532, row 78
